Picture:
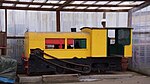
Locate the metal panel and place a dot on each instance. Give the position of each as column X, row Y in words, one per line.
column 78, row 20
column 15, row 48
column 21, row 21
column 2, row 20
column 141, row 39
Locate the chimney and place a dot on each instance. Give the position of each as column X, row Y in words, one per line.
column 103, row 21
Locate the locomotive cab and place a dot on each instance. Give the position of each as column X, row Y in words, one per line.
column 121, row 43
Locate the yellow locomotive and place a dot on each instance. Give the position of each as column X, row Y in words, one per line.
column 83, row 52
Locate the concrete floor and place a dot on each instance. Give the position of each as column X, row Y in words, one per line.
column 127, row 77
column 134, row 79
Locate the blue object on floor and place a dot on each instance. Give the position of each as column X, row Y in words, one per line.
column 6, row 80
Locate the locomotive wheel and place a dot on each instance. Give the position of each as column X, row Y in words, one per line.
column 101, row 71
column 59, row 70
column 86, row 69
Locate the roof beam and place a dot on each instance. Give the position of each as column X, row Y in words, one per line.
column 26, row 8
column 145, row 4
column 63, row 5
column 42, row 4
column 91, row 10
column 66, row 10
column 1, row 2
column 95, row 5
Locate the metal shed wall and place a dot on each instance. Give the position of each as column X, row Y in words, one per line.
column 141, row 40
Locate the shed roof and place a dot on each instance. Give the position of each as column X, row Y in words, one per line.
column 73, row 5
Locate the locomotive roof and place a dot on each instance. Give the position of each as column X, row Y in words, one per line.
column 106, row 28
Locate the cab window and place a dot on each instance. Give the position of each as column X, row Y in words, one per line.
column 54, row 43
column 76, row 43
column 124, row 36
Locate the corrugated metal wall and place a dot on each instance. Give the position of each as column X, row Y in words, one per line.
column 141, row 39
column 2, row 20
column 21, row 21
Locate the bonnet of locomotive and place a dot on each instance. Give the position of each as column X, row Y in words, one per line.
column 60, row 44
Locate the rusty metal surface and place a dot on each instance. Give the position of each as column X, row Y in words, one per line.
column 2, row 39
column 3, row 43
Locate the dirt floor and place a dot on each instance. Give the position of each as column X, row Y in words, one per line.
column 127, row 77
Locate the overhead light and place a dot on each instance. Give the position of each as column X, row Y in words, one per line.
column 6, row 4
column 10, row 0
column 25, row 0
column 77, row 2
column 126, row 3
column 131, row 3
column 61, row 2
column 81, row 7
column 69, row 7
column 102, row 2
column 89, row 2
column 120, row 8
column 138, row 2
column 55, row 6
column 92, row 7
column 115, row 8
column 50, row 1
column 104, row 8
column 21, row 5
column 39, row 1
column 114, row 2
column 46, row 6
column 34, row 6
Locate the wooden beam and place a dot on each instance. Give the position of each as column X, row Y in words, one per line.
column 95, row 5
column 58, row 21
column 1, row 2
column 42, row 4
column 69, row 10
column 145, row 4
column 26, row 8
column 15, row 3
column 63, row 5
column 4, row 51
column 129, row 19
column 30, row 3
column 91, row 10
column 6, row 21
